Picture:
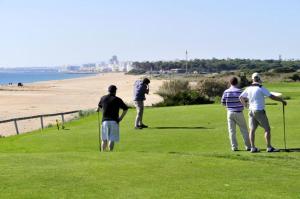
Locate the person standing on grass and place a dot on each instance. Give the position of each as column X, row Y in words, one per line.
column 257, row 115
column 110, row 105
column 141, row 87
column 235, row 116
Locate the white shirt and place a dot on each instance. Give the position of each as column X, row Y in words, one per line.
column 256, row 96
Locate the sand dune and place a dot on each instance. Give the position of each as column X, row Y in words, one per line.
column 64, row 95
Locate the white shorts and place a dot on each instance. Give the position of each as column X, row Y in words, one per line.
column 110, row 131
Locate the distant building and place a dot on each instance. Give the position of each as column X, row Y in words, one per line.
column 114, row 67
column 89, row 65
column 125, row 66
column 73, row 68
column 178, row 70
column 114, row 60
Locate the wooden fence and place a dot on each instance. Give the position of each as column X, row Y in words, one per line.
column 15, row 120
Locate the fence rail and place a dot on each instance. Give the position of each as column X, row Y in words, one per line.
column 38, row 116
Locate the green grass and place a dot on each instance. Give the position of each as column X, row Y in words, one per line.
column 184, row 154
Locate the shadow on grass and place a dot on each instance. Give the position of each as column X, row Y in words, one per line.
column 290, row 150
column 179, row 127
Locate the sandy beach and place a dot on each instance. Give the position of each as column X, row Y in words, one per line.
column 63, row 95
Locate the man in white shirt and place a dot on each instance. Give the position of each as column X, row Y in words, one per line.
column 256, row 94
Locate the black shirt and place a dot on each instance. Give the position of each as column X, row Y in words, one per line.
column 110, row 105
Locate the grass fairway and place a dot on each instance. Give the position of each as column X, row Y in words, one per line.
column 184, row 154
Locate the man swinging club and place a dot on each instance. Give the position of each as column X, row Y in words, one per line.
column 141, row 87
column 110, row 105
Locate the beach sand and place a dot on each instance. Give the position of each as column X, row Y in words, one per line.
column 62, row 96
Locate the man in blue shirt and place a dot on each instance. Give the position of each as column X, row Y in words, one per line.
column 141, row 87
column 235, row 115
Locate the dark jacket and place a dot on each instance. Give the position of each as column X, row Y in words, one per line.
column 140, row 89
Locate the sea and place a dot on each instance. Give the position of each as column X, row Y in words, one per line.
column 15, row 77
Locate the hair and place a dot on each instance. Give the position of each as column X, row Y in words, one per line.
column 146, row 81
column 234, row 81
column 112, row 89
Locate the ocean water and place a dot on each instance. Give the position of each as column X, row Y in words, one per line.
column 34, row 76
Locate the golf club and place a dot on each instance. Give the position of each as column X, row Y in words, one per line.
column 283, row 117
column 284, row 135
column 99, row 131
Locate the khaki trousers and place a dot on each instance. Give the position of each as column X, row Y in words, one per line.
column 139, row 105
column 233, row 119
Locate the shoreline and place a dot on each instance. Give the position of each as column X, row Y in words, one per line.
column 75, row 76
column 54, row 96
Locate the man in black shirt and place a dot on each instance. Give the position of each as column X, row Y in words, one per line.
column 110, row 105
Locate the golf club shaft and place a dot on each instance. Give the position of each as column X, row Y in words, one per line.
column 284, row 136
column 99, row 131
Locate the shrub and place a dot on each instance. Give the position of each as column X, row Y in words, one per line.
column 284, row 70
column 211, row 87
column 244, row 82
column 84, row 113
column 136, row 72
column 295, row 77
column 173, row 87
column 178, row 92
column 184, row 98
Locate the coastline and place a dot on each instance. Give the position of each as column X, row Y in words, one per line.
column 54, row 96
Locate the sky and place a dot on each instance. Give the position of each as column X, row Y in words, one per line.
column 60, row 32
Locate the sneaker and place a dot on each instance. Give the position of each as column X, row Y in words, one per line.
column 138, row 127
column 144, row 126
column 234, row 149
column 254, row 150
column 248, row 148
column 272, row 149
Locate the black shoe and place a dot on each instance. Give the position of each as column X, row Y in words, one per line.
column 138, row 127
column 144, row 126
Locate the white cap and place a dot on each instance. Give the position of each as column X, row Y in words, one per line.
column 256, row 77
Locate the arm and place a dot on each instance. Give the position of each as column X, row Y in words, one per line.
column 124, row 107
column 243, row 98
column 122, row 115
column 279, row 99
column 223, row 102
column 243, row 101
column 147, row 89
column 99, row 106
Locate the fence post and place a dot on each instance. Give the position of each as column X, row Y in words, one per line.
column 62, row 121
column 16, row 125
column 42, row 122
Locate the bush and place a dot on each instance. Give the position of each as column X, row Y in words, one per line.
column 211, row 88
column 136, row 72
column 178, row 92
column 184, row 98
column 244, row 82
column 284, row 70
column 173, row 87
column 295, row 77
column 85, row 113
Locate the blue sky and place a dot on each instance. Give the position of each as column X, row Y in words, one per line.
column 57, row 32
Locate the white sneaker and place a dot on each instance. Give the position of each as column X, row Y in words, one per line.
column 234, row 149
column 272, row 149
column 254, row 150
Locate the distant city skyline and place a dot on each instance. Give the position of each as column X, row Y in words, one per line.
column 62, row 32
